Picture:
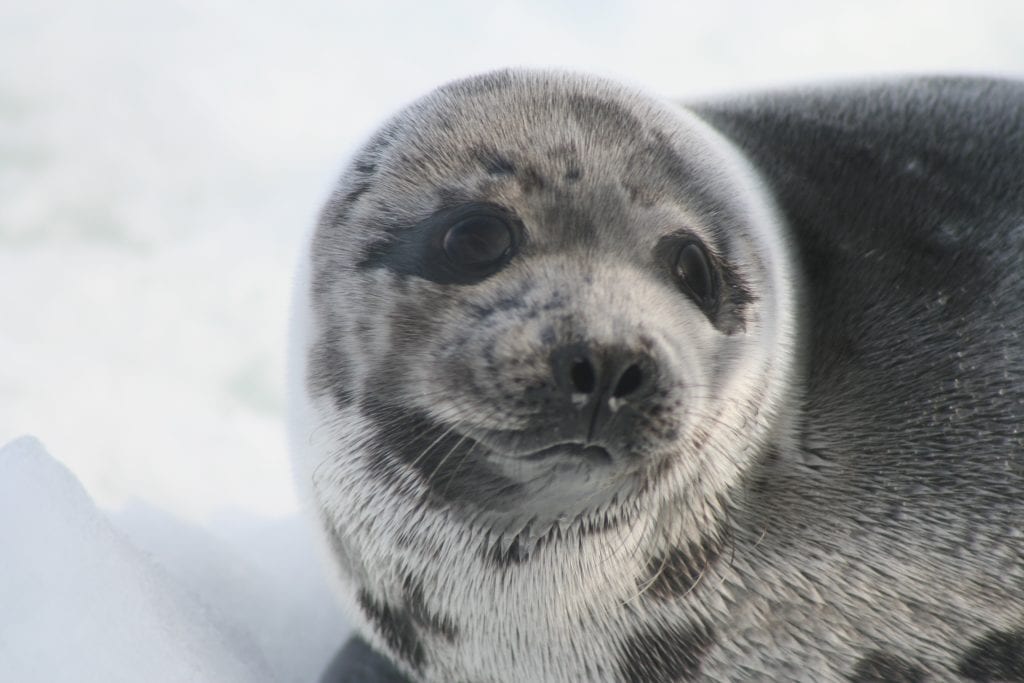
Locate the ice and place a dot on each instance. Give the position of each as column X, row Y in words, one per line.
column 80, row 603
column 262, row 572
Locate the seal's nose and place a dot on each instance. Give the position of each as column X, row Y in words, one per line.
column 589, row 376
column 611, row 373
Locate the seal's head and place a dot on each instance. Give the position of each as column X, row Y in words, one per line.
column 538, row 302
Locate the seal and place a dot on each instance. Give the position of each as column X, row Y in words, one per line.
column 587, row 386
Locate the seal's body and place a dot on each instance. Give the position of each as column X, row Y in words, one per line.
column 590, row 388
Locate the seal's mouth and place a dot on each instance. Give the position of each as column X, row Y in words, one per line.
column 596, row 455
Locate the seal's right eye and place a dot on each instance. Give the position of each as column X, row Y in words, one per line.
column 478, row 244
column 459, row 245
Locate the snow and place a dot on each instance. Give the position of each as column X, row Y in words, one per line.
column 160, row 165
column 81, row 603
column 85, row 599
column 260, row 573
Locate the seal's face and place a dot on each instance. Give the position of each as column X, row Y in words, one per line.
column 543, row 301
column 547, row 329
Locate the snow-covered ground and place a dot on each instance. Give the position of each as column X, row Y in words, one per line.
column 79, row 597
column 160, row 162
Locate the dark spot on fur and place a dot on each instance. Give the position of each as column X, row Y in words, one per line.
column 762, row 477
column 997, row 656
column 508, row 554
column 358, row 190
column 677, row 572
column 882, row 667
column 668, row 162
column 494, row 162
column 639, row 195
column 328, row 371
column 365, row 166
column 604, row 116
column 449, row 197
column 380, row 141
column 451, row 466
column 375, row 254
column 417, row 608
column 515, row 553
column 508, row 303
column 337, row 210
column 604, row 523
column 548, row 336
column 671, row 653
column 531, row 180
column 567, row 156
column 396, row 627
column 513, row 300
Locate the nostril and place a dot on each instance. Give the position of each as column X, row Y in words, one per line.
column 582, row 375
column 629, row 381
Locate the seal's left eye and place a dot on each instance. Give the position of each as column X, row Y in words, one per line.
column 478, row 243
column 693, row 271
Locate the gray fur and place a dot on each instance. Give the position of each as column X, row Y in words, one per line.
column 825, row 478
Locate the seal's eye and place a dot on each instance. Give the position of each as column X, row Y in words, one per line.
column 478, row 243
column 457, row 245
column 692, row 269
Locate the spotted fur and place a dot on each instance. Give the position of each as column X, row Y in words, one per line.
column 995, row 656
column 818, row 474
column 881, row 667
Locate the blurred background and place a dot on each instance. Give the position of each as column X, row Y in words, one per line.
column 161, row 162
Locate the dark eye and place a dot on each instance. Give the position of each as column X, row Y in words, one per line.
column 693, row 270
column 456, row 245
column 478, row 243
